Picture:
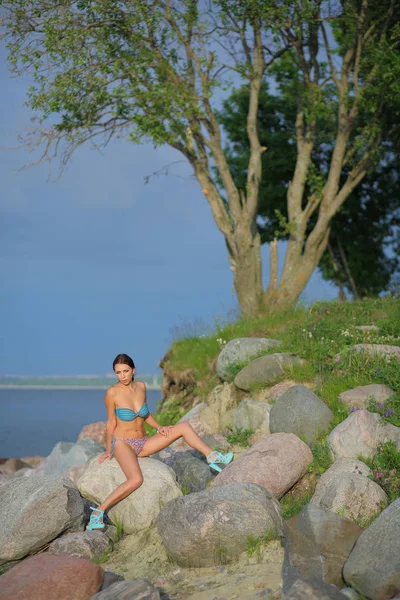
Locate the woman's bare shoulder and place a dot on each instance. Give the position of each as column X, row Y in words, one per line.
column 141, row 385
column 112, row 391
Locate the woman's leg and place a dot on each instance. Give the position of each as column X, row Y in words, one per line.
column 158, row 442
column 128, row 462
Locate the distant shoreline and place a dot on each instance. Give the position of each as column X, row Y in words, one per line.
column 65, row 387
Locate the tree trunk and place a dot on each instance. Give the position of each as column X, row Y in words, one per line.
column 247, row 274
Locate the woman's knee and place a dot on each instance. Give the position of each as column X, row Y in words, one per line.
column 185, row 428
column 135, row 482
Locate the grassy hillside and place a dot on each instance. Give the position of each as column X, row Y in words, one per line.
column 319, row 334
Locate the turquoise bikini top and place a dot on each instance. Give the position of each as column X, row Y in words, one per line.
column 127, row 414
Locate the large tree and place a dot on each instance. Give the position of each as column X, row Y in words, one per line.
column 150, row 69
column 360, row 257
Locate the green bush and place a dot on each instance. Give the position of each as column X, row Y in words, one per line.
column 386, row 469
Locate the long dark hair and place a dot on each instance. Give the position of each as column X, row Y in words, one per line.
column 123, row 359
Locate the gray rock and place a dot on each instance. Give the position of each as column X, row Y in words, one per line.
column 316, row 590
column 253, row 415
column 139, row 589
column 366, row 327
column 373, row 567
column 301, row 412
column 35, row 511
column 192, row 474
column 346, row 489
column 385, row 350
column 66, row 455
column 109, row 578
column 84, row 544
column 240, row 351
column 265, row 370
column 351, row 594
column 361, row 434
column 276, row 462
column 361, row 396
column 139, row 510
column 318, row 543
column 213, row 526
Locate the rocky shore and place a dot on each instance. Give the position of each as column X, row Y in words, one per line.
column 188, row 533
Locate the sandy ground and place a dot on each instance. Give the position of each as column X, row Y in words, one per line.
column 251, row 578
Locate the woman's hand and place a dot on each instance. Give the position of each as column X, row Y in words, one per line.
column 165, row 430
column 106, row 455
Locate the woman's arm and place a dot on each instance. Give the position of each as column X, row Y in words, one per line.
column 111, row 424
column 150, row 420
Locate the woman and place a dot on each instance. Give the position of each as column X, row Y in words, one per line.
column 126, row 439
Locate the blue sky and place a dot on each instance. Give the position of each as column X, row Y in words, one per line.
column 99, row 263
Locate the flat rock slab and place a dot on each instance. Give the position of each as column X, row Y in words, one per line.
column 66, row 455
column 83, row 544
column 140, row 509
column 276, row 463
column 35, row 511
column 373, row 567
column 361, row 434
column 306, row 590
column 265, row 370
column 239, row 351
column 346, row 489
column 252, row 415
column 214, row 526
column 44, row 576
column 318, row 542
column 361, row 396
column 301, row 412
column 140, row 589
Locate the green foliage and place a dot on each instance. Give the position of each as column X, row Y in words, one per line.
column 292, row 504
column 103, row 558
column 255, row 543
column 239, row 437
column 322, row 456
column 386, row 469
column 119, row 524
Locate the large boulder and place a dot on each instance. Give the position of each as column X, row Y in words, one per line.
column 276, row 463
column 35, row 511
column 253, row 415
column 373, row 567
column 83, row 544
column 139, row 589
column 313, row 590
column 66, row 455
column 222, row 399
column 345, row 488
column 361, row 434
column 213, row 526
column 95, row 431
column 318, row 542
column 139, row 510
column 192, row 474
column 239, row 352
column 361, row 396
column 301, row 412
column 265, row 370
column 44, row 576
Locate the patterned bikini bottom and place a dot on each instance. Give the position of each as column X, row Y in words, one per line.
column 136, row 443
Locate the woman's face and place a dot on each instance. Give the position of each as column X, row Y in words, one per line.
column 124, row 373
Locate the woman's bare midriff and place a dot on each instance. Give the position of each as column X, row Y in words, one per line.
column 133, row 401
